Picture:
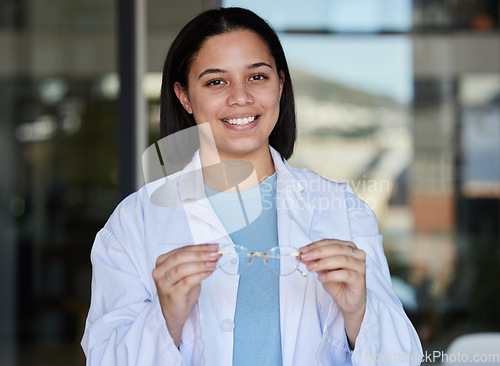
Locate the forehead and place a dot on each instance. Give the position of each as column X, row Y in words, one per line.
column 232, row 49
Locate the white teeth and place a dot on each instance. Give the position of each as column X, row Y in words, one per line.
column 240, row 121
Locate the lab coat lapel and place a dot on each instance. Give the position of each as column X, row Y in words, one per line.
column 218, row 291
column 204, row 224
column 203, row 221
column 295, row 216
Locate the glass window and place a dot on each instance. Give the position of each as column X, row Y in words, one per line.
column 59, row 89
column 332, row 15
column 59, row 169
column 409, row 117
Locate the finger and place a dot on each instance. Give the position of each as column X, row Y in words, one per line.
column 323, row 242
column 306, row 262
column 342, row 276
column 186, row 266
column 187, row 283
column 188, row 248
column 359, row 254
column 336, row 263
column 180, row 271
column 183, row 286
column 328, row 249
column 185, row 255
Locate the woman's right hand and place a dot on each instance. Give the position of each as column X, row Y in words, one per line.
column 178, row 275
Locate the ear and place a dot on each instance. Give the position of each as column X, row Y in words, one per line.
column 282, row 81
column 181, row 94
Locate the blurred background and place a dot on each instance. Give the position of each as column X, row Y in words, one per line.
column 399, row 98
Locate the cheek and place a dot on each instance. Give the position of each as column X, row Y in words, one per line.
column 205, row 109
column 272, row 97
column 273, row 104
column 201, row 110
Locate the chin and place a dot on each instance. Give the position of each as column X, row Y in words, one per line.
column 241, row 150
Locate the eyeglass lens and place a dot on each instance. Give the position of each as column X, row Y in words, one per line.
column 236, row 259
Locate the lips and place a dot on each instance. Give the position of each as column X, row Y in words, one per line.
column 240, row 121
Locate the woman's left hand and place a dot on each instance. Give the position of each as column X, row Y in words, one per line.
column 341, row 268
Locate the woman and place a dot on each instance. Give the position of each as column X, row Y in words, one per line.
column 161, row 294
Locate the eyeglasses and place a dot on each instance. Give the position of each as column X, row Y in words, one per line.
column 281, row 261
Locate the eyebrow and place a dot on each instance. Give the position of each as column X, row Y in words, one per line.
column 211, row 71
column 222, row 71
column 258, row 64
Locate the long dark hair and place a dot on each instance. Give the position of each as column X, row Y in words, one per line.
column 174, row 118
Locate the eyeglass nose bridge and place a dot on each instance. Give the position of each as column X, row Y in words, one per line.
column 258, row 254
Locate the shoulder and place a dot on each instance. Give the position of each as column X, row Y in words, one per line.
column 130, row 214
column 315, row 183
column 125, row 221
column 362, row 219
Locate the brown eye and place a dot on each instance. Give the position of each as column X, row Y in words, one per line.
column 258, row 77
column 215, row 82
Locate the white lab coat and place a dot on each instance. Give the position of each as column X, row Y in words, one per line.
column 125, row 325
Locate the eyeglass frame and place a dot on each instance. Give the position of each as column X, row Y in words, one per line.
column 252, row 255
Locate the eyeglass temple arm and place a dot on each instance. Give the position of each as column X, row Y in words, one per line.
column 298, row 269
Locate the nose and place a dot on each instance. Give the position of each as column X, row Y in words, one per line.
column 239, row 94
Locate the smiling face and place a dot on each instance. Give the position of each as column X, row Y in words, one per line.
column 233, row 84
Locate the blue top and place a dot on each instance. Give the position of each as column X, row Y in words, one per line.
column 257, row 336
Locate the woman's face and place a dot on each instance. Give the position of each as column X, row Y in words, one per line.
column 234, row 85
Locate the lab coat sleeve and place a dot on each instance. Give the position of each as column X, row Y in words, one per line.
column 125, row 325
column 387, row 336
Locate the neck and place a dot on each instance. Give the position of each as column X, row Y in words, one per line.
column 223, row 172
